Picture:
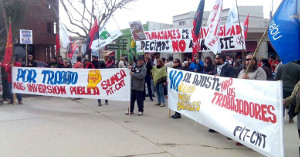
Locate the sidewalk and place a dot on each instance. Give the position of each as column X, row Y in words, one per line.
column 49, row 126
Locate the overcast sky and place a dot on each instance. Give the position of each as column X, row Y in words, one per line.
column 164, row 10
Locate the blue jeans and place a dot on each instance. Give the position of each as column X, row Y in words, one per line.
column 19, row 96
column 160, row 93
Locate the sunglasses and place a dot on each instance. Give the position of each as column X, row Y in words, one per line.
column 248, row 59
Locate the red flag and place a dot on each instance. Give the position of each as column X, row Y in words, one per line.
column 197, row 24
column 74, row 48
column 246, row 26
column 8, row 48
column 93, row 31
column 57, row 44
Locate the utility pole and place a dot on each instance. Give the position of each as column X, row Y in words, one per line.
column 4, row 15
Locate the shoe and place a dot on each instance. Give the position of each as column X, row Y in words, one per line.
column 177, row 116
column 140, row 114
column 238, row 144
column 211, row 131
column 20, row 102
column 162, row 105
column 10, row 102
column 157, row 104
column 151, row 99
column 99, row 104
column 291, row 121
column 127, row 113
column 106, row 103
column 6, row 100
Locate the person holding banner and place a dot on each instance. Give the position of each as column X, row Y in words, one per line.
column 53, row 63
column 177, row 65
column 8, row 70
column 30, row 62
column 138, row 74
column 255, row 72
column 160, row 79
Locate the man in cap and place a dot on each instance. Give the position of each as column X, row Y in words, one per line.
column 138, row 74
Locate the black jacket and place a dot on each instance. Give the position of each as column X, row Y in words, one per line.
column 227, row 71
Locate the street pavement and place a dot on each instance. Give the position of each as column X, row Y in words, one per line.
column 60, row 127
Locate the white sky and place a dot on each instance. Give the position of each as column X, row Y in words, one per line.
column 164, row 10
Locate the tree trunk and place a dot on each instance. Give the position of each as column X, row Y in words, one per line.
column 4, row 15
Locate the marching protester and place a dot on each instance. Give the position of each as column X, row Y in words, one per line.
column 60, row 62
column 78, row 64
column 67, row 64
column 169, row 62
column 273, row 63
column 138, row 74
column 237, row 67
column 267, row 68
column 95, row 62
column 8, row 70
column 254, row 72
column 30, row 62
column 4, row 78
column 88, row 64
column 110, row 63
column 149, row 65
column 222, row 69
column 53, row 63
column 208, row 66
column 102, row 65
column 290, row 75
column 177, row 65
column 294, row 99
column 160, row 79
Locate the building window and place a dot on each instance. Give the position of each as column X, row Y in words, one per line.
column 181, row 23
column 50, row 27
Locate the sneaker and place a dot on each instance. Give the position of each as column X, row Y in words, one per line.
column 20, row 102
column 162, row 105
column 99, row 104
column 157, row 104
column 140, row 114
column 151, row 99
column 10, row 102
column 127, row 113
column 106, row 103
column 291, row 121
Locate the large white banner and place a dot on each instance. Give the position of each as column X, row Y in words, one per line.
column 247, row 111
column 105, row 38
column 179, row 40
column 110, row 84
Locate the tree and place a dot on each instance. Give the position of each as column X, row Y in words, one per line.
column 82, row 13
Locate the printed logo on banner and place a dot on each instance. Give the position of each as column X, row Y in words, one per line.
column 94, row 78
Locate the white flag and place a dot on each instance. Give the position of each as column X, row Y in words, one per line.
column 232, row 17
column 212, row 40
column 64, row 36
column 105, row 37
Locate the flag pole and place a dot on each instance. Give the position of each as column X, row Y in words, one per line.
column 242, row 31
column 256, row 50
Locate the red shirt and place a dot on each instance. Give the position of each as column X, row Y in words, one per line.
column 273, row 64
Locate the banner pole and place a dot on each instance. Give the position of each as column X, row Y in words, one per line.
column 255, row 52
column 169, row 112
column 26, row 55
column 244, row 40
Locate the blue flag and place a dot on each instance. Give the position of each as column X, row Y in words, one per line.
column 284, row 31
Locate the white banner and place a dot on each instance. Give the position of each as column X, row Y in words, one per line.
column 180, row 40
column 110, row 84
column 64, row 36
column 247, row 111
column 105, row 38
column 212, row 39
